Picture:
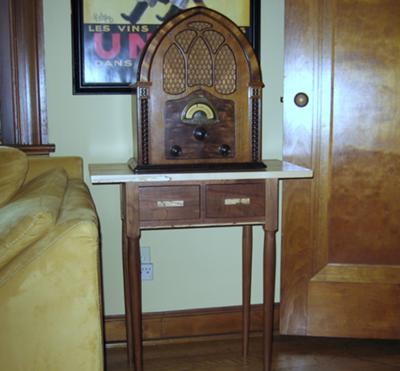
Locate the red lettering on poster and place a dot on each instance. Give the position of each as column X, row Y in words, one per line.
column 136, row 44
column 107, row 54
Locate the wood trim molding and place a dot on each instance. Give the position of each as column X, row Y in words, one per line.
column 43, row 149
column 23, row 112
column 186, row 324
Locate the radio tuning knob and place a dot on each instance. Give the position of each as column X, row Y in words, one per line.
column 200, row 133
column 224, row 150
column 175, row 150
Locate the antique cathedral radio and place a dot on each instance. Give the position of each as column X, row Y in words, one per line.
column 198, row 97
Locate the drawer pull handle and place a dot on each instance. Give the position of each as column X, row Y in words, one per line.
column 172, row 203
column 237, row 201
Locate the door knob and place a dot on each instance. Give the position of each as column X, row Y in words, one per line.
column 301, row 99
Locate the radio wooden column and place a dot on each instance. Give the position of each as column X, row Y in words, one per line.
column 152, row 201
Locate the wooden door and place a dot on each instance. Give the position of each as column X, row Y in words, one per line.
column 341, row 230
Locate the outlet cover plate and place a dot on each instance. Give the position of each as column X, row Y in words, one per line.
column 147, row 271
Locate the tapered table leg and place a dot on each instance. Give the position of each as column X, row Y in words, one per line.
column 132, row 275
column 125, row 265
column 136, row 301
column 247, row 247
column 270, row 228
column 269, row 294
column 127, row 291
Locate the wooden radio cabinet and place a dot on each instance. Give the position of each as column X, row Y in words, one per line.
column 198, row 97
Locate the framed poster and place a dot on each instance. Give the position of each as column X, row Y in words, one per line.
column 109, row 36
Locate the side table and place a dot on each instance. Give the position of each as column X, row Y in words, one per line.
column 195, row 199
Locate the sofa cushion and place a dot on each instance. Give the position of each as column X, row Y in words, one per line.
column 31, row 213
column 78, row 204
column 13, row 169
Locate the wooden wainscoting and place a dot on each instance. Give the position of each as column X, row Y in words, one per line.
column 186, row 324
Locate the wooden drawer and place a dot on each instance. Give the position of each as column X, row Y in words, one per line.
column 169, row 203
column 235, row 200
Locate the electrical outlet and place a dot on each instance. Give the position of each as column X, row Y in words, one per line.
column 147, row 271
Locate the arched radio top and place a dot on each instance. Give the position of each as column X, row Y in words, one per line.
column 199, row 97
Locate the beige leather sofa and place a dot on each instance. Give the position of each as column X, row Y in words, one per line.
column 50, row 297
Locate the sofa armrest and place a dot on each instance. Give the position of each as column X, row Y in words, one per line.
column 73, row 165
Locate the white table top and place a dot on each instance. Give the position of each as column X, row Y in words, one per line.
column 121, row 173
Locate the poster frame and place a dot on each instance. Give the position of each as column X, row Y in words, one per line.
column 81, row 85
